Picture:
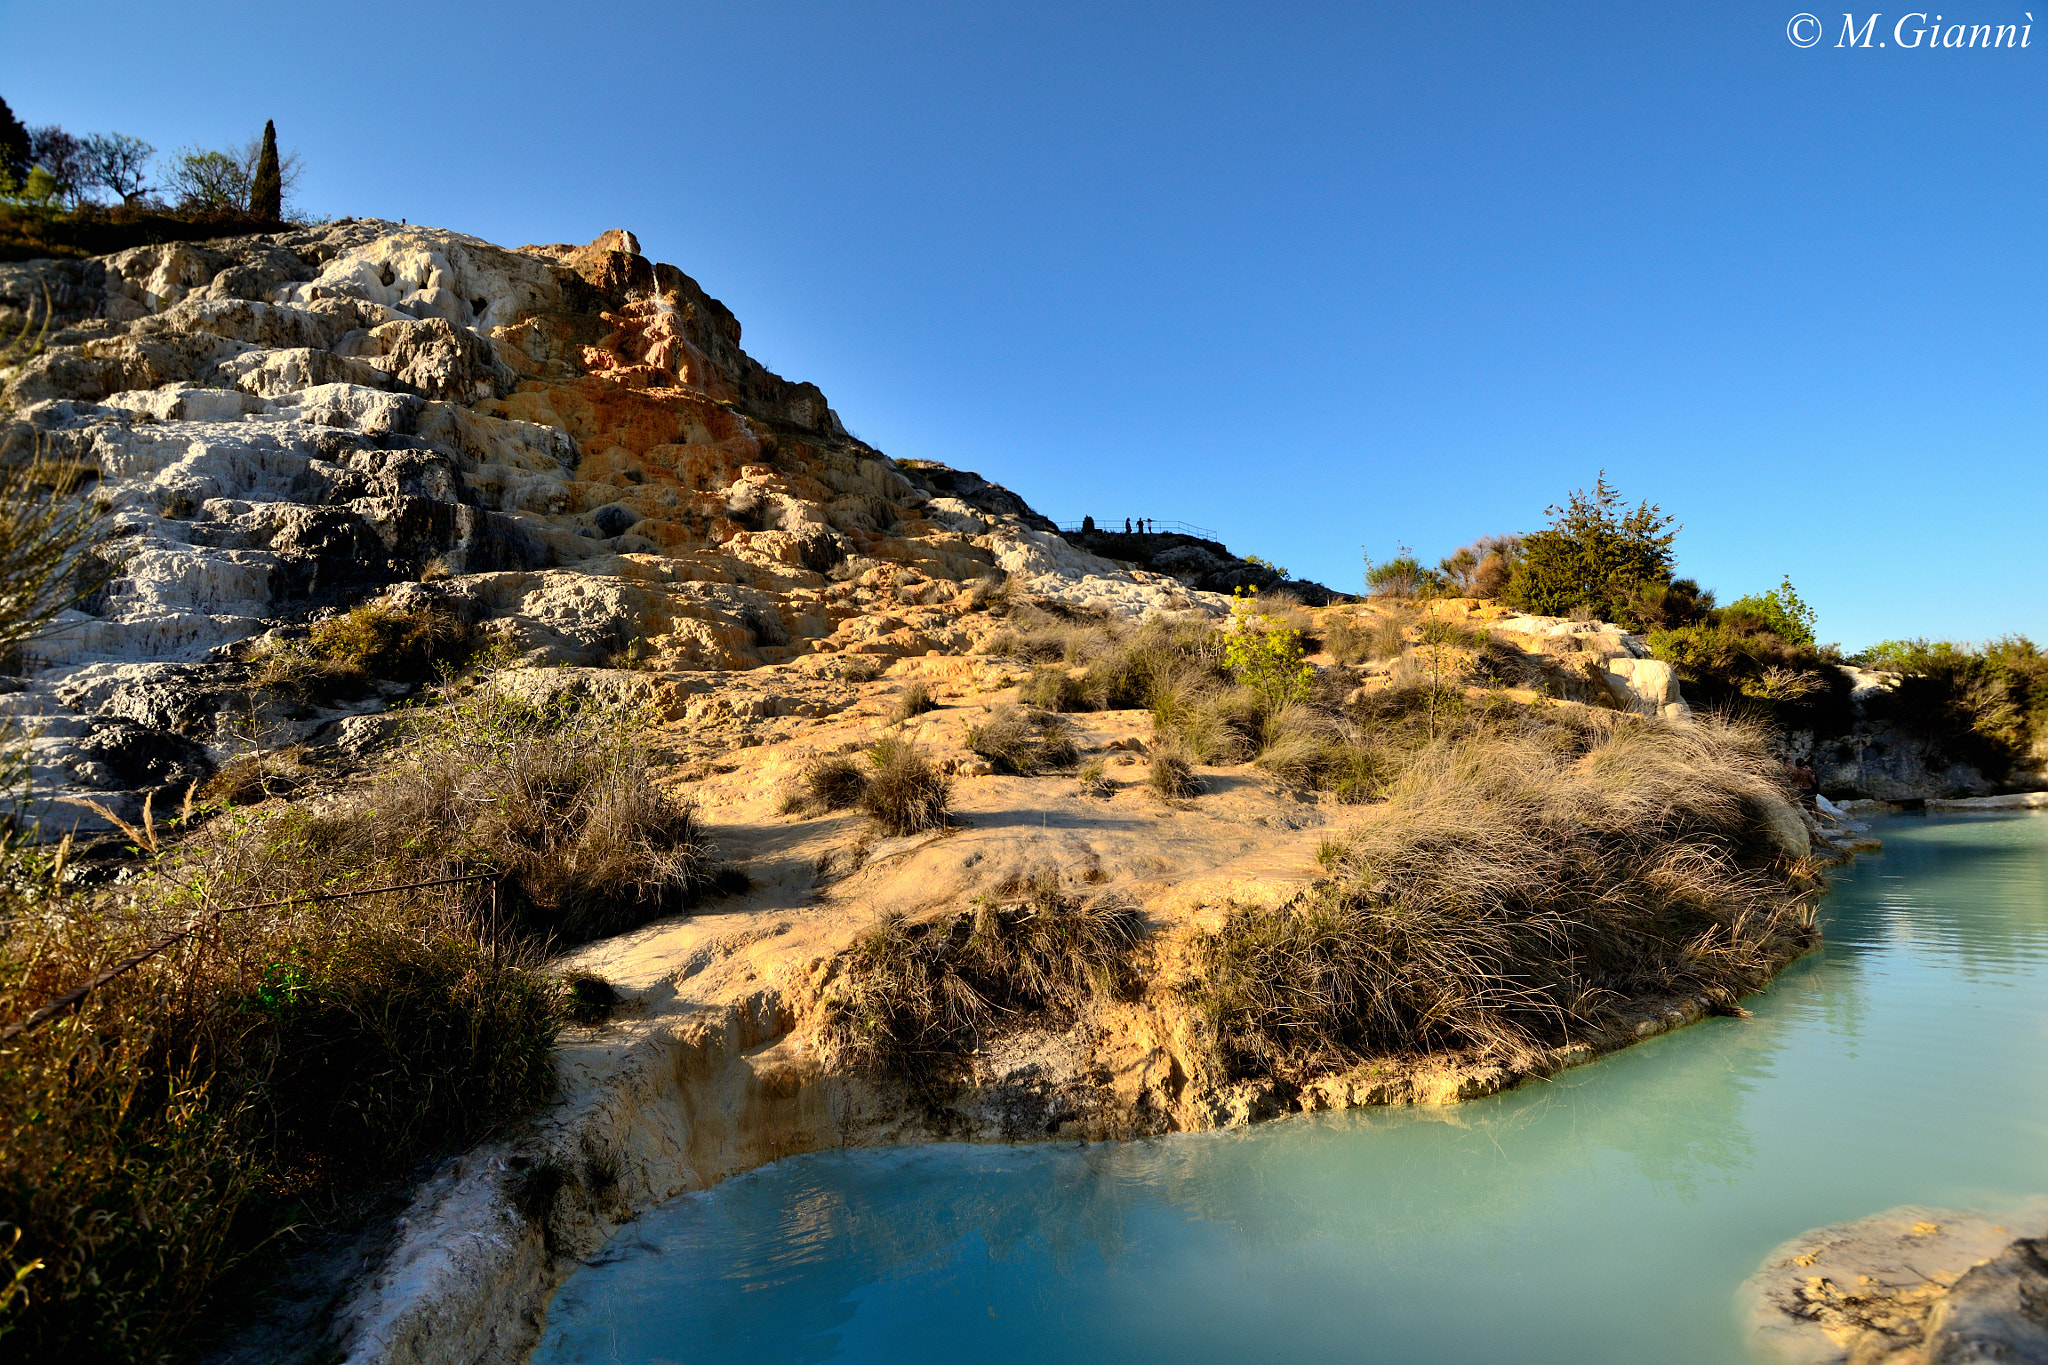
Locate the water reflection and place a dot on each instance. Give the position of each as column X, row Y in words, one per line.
column 1606, row 1215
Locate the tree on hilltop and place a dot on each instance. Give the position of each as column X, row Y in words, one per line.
column 266, row 189
column 1594, row 556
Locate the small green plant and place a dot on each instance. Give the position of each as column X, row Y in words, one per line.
column 1257, row 563
column 1263, row 655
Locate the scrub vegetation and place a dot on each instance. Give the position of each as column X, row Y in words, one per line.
column 271, row 1065
column 1525, row 878
column 910, row 999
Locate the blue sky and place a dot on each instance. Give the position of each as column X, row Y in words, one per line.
column 1320, row 278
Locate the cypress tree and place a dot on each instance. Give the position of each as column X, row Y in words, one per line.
column 266, row 191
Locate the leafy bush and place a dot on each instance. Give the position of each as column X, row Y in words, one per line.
column 1986, row 705
column 1781, row 611
column 1483, row 568
column 1669, row 606
column 208, row 180
column 1593, row 557
column 1264, row 656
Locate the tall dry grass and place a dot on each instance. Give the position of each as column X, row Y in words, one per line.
column 1520, row 884
column 272, row 1067
column 909, row 999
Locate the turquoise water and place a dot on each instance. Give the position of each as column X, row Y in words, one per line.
column 1606, row 1216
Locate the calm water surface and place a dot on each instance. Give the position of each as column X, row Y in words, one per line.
column 1608, row 1215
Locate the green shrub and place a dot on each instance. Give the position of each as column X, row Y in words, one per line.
column 588, row 998
column 1594, row 556
column 1986, row 705
column 345, row 655
column 1265, row 656
column 1402, row 578
column 1669, row 606
column 1780, row 611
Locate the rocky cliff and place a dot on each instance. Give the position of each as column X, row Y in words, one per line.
column 566, row 446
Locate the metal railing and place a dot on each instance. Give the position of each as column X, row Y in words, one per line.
column 1152, row 528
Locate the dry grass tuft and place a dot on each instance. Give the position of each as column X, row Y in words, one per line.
column 1310, row 747
column 913, row 700
column 1051, row 688
column 1520, row 885
column 1173, row 772
column 345, row 655
column 1023, row 742
column 906, row 793
column 833, row 783
column 910, row 999
column 1378, row 635
column 1094, row 776
column 258, row 777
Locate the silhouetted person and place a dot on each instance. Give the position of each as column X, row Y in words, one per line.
column 1127, row 525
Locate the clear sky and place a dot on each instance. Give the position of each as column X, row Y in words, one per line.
column 1318, row 278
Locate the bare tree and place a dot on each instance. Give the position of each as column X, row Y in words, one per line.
column 114, row 161
column 62, row 156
